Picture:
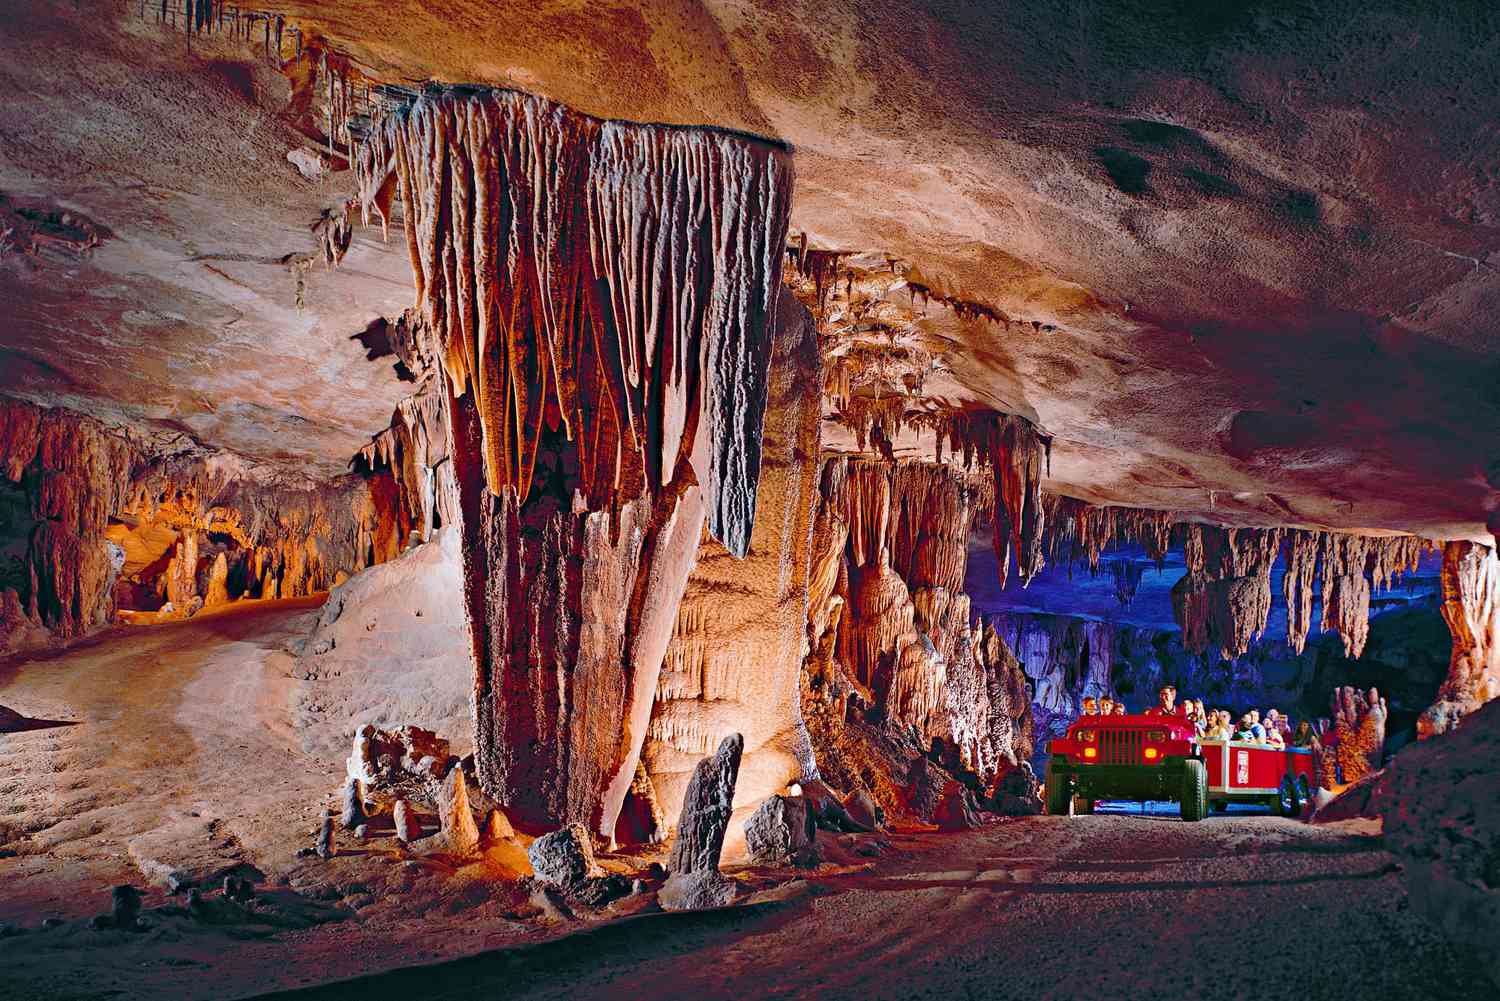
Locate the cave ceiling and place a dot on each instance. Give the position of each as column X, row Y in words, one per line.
column 1242, row 266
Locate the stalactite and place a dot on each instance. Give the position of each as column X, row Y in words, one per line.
column 665, row 319
column 1297, row 585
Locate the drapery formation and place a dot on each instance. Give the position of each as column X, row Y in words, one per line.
column 602, row 298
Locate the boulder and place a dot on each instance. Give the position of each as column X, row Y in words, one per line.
column 1018, row 793
column 828, row 810
column 782, row 832
column 862, row 809
column 956, row 809
column 564, row 858
column 125, row 908
column 695, row 881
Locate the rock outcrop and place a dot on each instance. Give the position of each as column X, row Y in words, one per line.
column 1441, row 807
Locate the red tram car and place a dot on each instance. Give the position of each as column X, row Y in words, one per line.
column 1160, row 758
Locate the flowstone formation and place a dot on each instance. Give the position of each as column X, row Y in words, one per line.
column 735, row 656
column 604, row 327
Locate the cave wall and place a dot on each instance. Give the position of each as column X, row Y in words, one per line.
column 735, row 656
column 117, row 523
column 896, row 670
column 74, row 474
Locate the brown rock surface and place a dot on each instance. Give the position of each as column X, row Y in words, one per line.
column 1441, row 804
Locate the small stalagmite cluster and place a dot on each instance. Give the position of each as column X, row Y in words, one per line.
column 604, row 329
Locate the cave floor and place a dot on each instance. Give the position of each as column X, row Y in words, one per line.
column 186, row 754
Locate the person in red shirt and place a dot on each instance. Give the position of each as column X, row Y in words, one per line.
column 1166, row 704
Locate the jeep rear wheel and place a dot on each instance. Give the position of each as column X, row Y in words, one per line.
column 1194, row 790
column 1059, row 796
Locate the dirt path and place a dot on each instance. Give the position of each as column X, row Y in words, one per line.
column 1038, row 908
column 188, row 743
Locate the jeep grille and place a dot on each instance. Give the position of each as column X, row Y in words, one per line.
column 1120, row 747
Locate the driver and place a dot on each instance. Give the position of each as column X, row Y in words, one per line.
column 1166, row 704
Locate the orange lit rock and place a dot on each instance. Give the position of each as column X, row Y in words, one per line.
column 1471, row 607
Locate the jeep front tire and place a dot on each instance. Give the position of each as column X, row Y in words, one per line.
column 1194, row 790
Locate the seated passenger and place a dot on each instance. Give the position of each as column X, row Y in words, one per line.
column 1243, row 730
column 1106, row 706
column 1166, row 702
column 1256, row 728
column 1304, row 737
column 1278, row 722
column 1090, row 706
column 1274, row 738
column 1119, row 709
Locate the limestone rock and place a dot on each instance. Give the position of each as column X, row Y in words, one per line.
column 1018, row 793
column 1471, row 607
column 326, row 844
column 497, row 828
column 827, row 809
column 352, row 806
column 695, row 880
column 407, row 827
column 125, row 907
column 782, row 832
column 956, row 811
column 863, row 810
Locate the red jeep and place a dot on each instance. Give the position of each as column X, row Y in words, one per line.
column 1160, row 758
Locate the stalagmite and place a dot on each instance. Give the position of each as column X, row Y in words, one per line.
column 602, row 299
column 407, row 827
column 1471, row 607
column 695, row 881
column 352, row 804
column 327, row 844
